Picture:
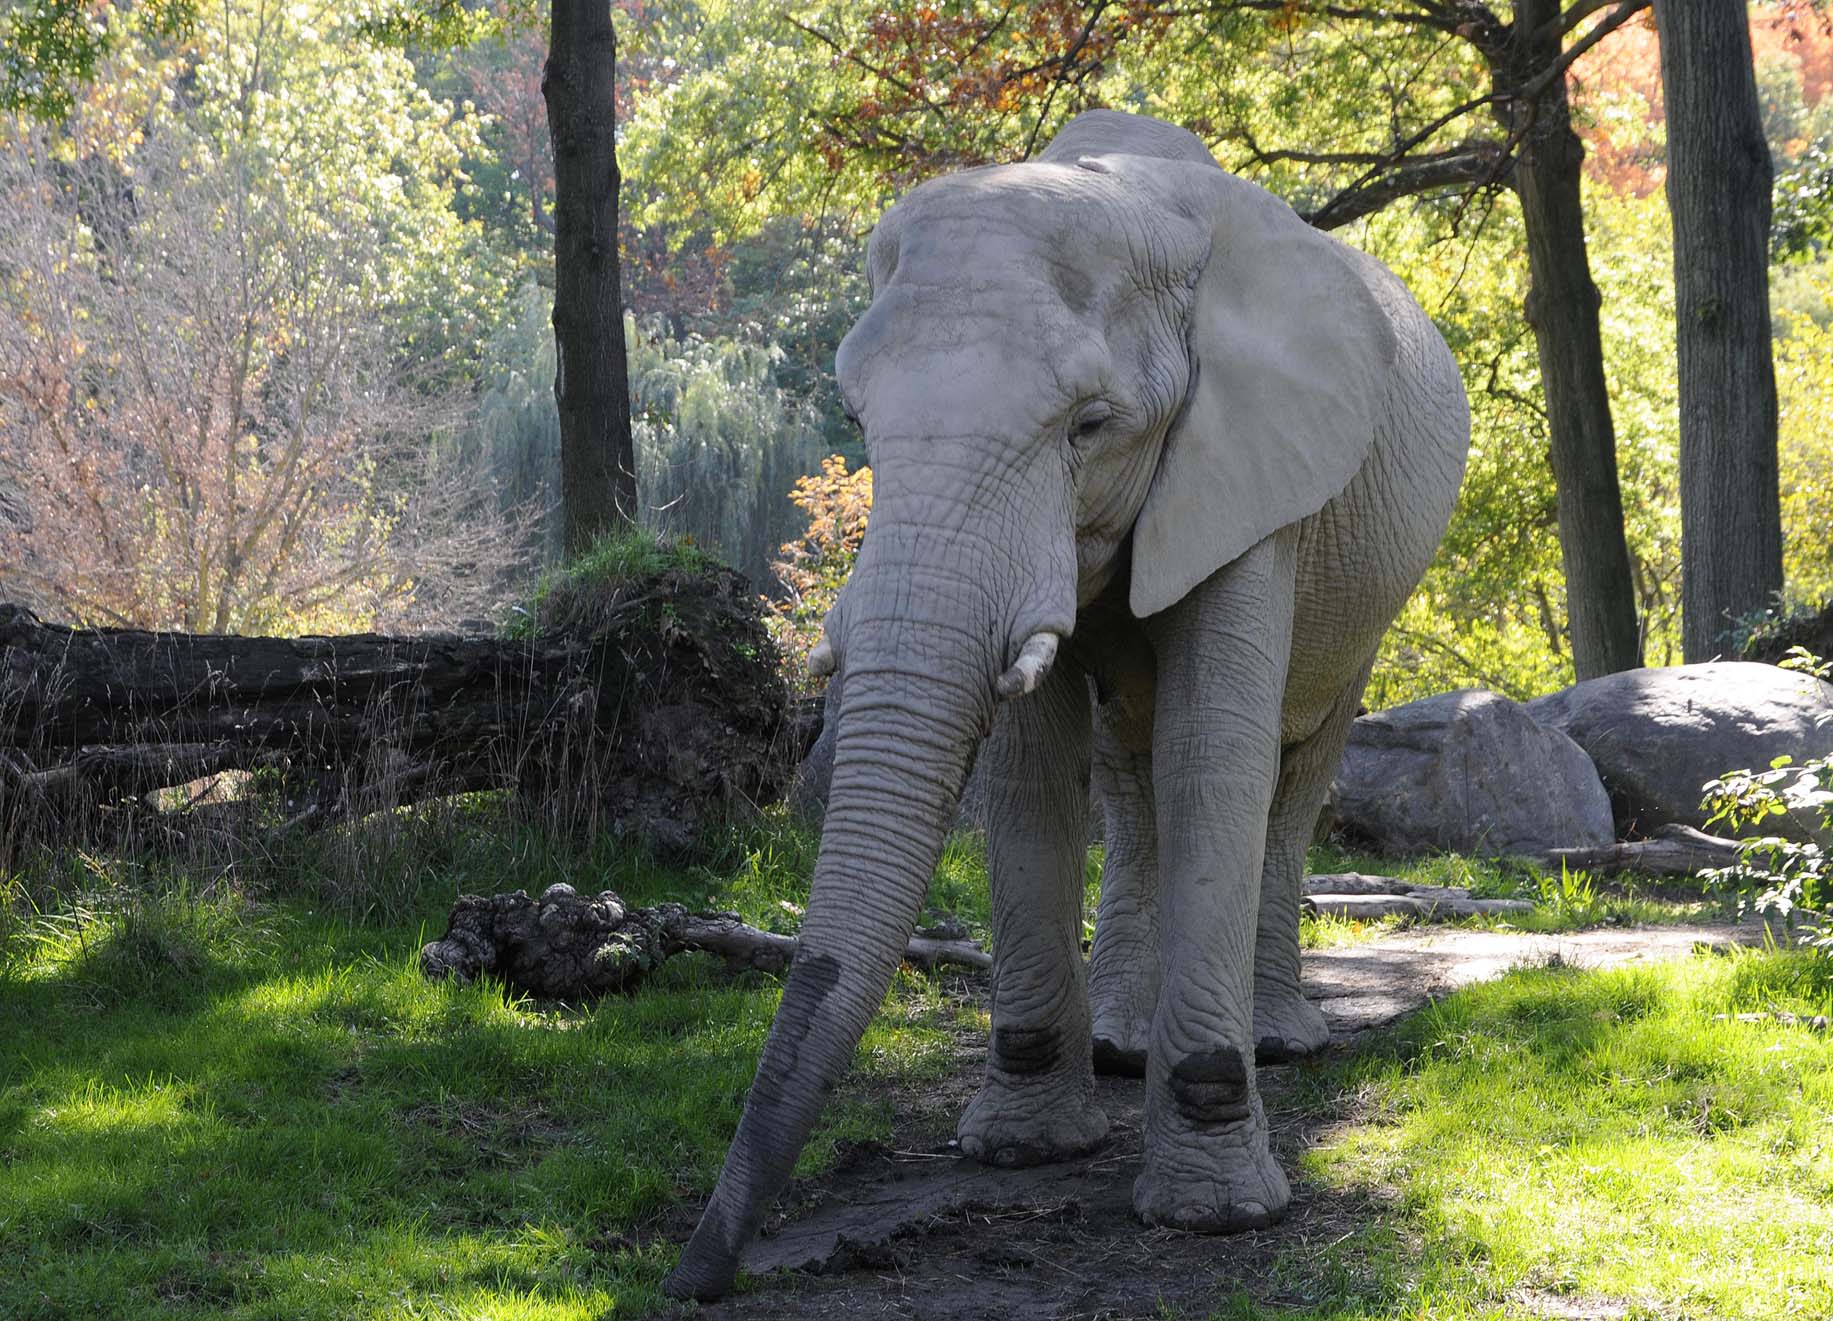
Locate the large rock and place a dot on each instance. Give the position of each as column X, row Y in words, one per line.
column 1658, row 735
column 1469, row 771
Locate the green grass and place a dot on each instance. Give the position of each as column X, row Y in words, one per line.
column 1587, row 1136
column 234, row 1095
column 260, row 1109
column 618, row 557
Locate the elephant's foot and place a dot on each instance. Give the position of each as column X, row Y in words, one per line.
column 1220, row 1192
column 1207, row 1166
column 1010, row 1126
column 1287, row 1027
column 1120, row 1037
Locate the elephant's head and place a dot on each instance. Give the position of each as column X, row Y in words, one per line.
column 1118, row 347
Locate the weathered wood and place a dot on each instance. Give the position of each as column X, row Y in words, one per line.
column 1562, row 307
column 1368, row 907
column 591, row 387
column 646, row 706
column 1719, row 180
column 64, row 688
column 1355, row 882
column 567, row 946
column 1673, row 850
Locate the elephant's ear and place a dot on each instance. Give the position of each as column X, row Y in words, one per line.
column 1290, row 354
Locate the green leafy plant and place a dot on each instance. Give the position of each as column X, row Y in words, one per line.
column 1774, row 874
column 1571, row 894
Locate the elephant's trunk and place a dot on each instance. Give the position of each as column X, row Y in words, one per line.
column 919, row 696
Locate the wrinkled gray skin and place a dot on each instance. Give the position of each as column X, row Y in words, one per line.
column 1118, row 398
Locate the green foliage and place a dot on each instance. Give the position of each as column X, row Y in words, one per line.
column 829, row 107
column 815, row 566
column 719, row 443
column 427, row 23
column 1803, row 206
column 245, row 307
column 1572, row 895
column 1804, row 391
column 1774, row 874
column 49, row 48
column 800, row 287
column 1801, row 140
column 1492, row 608
column 567, row 596
column 1564, row 901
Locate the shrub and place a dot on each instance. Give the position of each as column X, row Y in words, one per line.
column 1774, row 874
column 815, row 566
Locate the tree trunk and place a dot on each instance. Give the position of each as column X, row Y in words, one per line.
column 591, row 384
column 1718, row 186
column 1562, row 306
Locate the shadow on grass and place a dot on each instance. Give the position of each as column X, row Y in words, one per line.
column 265, row 1103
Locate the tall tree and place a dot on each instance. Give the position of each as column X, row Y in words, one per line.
column 1562, row 307
column 1718, row 188
column 591, row 379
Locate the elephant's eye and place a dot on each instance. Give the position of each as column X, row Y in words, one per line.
column 1089, row 422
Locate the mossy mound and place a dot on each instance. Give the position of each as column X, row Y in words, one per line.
column 685, row 726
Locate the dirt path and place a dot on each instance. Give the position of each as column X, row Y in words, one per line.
column 914, row 1230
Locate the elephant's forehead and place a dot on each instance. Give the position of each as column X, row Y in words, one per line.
column 979, row 340
column 1081, row 236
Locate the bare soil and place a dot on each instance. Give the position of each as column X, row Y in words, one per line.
column 913, row 1229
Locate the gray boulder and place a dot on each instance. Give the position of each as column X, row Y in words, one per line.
column 1657, row 735
column 1469, row 771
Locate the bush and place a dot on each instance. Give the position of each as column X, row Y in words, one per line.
column 1773, row 874
column 815, row 566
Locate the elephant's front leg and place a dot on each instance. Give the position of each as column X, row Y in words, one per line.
column 1037, row 1102
column 1222, row 655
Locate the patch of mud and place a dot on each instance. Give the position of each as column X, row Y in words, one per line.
column 914, row 1230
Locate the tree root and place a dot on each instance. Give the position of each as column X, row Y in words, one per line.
column 566, row 946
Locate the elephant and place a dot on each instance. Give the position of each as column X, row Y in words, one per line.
column 1155, row 465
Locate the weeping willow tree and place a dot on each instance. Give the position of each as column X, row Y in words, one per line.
column 718, row 442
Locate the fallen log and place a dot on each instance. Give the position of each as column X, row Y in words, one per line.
column 1354, row 882
column 1368, row 907
column 568, row 946
column 648, row 703
column 1672, row 850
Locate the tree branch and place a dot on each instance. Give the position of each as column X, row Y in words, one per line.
column 1533, row 87
column 1484, row 163
column 1428, row 16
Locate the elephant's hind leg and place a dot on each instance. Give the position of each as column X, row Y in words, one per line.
column 1037, row 1101
column 1215, row 756
column 1286, row 1025
column 1123, row 965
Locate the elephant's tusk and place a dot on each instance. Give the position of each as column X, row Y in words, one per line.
column 821, row 661
column 1033, row 663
